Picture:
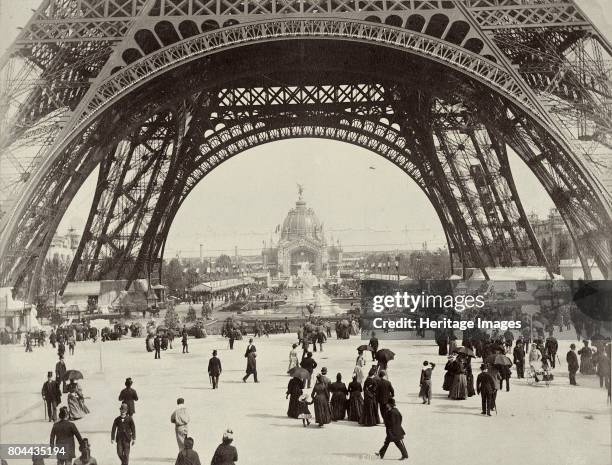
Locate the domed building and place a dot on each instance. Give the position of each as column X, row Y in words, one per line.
column 302, row 239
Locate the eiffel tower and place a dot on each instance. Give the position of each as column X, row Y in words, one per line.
column 154, row 94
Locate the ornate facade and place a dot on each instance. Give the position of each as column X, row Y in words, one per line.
column 302, row 239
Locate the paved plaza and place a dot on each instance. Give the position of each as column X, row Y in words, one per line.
column 534, row 425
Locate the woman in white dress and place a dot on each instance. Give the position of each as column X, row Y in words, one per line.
column 535, row 358
column 359, row 364
column 293, row 358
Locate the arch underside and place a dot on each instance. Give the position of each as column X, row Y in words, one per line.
column 449, row 133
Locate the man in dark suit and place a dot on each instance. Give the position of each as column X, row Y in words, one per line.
column 128, row 396
column 214, row 369
column 519, row 359
column 231, row 334
column 572, row 364
column 374, row 345
column 60, row 372
column 52, row 396
column 394, row 430
column 124, row 432
column 551, row 346
column 251, row 368
column 185, row 342
column 157, row 346
column 384, row 392
column 63, row 434
column 308, row 363
column 250, row 348
column 486, row 387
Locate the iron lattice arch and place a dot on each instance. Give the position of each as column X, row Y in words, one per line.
column 440, row 88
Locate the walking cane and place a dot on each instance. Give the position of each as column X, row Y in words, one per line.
column 45, row 408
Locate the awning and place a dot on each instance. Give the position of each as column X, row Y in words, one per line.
column 82, row 288
column 201, row 288
column 221, row 285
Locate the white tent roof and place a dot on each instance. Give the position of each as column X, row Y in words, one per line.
column 521, row 273
column 81, row 288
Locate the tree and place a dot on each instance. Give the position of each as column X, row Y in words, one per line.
column 191, row 314
column 173, row 277
column 223, row 263
column 53, row 275
column 171, row 320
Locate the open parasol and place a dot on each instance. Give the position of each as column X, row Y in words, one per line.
column 464, row 350
column 345, row 323
column 299, row 372
column 73, row 375
column 384, row 355
column 498, row 359
column 364, row 347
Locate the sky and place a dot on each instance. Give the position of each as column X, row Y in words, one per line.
column 243, row 200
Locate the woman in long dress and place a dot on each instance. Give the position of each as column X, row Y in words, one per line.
column 360, row 363
column 469, row 376
column 449, row 375
column 320, row 399
column 459, row 388
column 338, row 401
column 369, row 416
column 76, row 402
column 294, row 391
column 293, row 358
column 535, row 358
column 586, row 359
column 355, row 403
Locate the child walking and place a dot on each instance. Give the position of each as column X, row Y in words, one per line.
column 303, row 410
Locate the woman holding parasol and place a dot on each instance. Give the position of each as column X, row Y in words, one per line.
column 76, row 401
column 295, row 390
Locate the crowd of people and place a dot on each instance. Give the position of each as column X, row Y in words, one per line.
column 361, row 401
column 368, row 399
column 65, row 432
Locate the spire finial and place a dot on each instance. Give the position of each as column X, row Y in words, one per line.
column 300, row 190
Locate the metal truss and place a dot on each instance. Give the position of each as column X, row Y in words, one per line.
column 65, row 81
column 485, row 227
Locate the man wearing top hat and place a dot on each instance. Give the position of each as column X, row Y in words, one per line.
column 250, row 348
column 487, row 388
column 124, row 432
column 60, row 372
column 214, row 370
column 52, row 396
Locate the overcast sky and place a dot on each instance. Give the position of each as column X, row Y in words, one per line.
column 241, row 202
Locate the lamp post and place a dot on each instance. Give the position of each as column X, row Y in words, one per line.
column 397, row 267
